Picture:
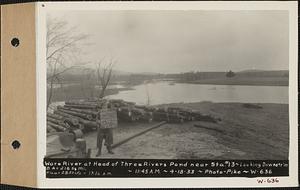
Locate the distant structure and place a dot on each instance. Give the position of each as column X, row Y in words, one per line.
column 230, row 74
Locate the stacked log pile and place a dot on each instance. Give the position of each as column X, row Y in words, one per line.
column 83, row 114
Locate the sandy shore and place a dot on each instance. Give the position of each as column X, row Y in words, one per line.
column 242, row 133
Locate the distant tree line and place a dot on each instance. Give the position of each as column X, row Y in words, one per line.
column 134, row 79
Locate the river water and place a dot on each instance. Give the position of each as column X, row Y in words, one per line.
column 165, row 92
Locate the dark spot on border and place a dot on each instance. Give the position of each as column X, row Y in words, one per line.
column 15, row 42
column 15, row 144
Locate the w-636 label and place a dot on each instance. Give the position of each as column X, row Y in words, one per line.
column 268, row 180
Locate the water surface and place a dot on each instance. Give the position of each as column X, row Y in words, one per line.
column 165, row 92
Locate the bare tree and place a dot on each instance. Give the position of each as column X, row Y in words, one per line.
column 62, row 50
column 230, row 74
column 88, row 82
column 104, row 74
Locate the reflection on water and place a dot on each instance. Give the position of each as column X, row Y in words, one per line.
column 162, row 93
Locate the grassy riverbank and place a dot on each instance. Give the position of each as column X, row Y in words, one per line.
column 242, row 133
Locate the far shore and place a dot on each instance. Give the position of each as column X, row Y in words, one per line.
column 79, row 91
column 265, row 81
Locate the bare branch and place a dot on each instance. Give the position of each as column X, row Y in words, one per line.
column 62, row 48
column 65, row 46
column 61, row 72
column 104, row 74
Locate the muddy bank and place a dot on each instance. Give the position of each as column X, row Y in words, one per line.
column 242, row 133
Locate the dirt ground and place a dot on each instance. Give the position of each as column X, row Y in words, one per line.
column 242, row 133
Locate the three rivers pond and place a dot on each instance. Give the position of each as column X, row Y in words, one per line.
column 165, row 93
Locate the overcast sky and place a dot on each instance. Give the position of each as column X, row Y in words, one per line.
column 180, row 41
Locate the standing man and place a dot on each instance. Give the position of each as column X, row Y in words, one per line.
column 104, row 134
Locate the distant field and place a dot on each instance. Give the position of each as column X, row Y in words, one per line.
column 259, row 81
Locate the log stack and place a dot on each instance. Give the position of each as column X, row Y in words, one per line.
column 83, row 114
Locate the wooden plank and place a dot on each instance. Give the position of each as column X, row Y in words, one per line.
column 137, row 135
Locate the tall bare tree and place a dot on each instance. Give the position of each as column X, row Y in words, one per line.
column 62, row 50
column 104, row 73
column 88, row 82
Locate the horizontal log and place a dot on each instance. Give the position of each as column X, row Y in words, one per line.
column 116, row 101
column 130, row 103
column 187, row 114
column 146, row 118
column 150, row 108
column 66, row 115
column 56, row 121
column 125, row 109
column 64, row 125
column 171, row 116
column 126, row 117
column 141, row 107
column 138, row 111
column 55, row 116
column 89, row 107
column 81, row 115
column 58, row 128
column 89, row 112
column 91, row 103
column 161, row 110
column 69, row 117
column 125, row 112
column 72, row 121
column 72, row 124
column 97, row 100
column 58, row 112
column 116, row 105
column 89, row 124
column 168, row 117
column 80, row 103
column 188, row 118
column 85, row 123
column 206, row 118
column 173, row 109
column 50, row 129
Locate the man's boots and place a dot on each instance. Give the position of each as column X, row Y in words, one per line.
column 99, row 152
column 109, row 149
